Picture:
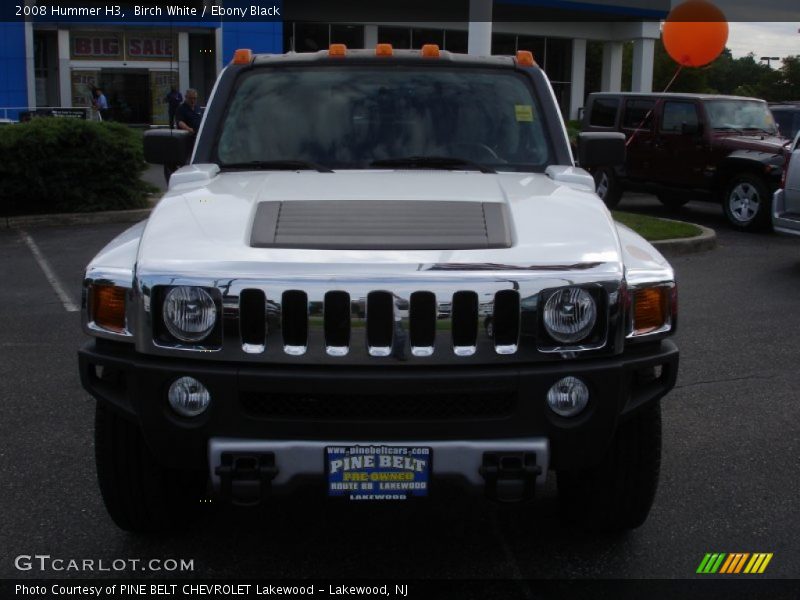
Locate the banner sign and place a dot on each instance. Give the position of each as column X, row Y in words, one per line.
column 94, row 45
column 102, row 45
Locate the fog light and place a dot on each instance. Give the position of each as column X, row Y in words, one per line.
column 568, row 396
column 188, row 397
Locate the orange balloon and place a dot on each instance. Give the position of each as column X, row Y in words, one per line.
column 695, row 33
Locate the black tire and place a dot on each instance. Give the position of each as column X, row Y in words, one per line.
column 617, row 494
column 607, row 186
column 141, row 495
column 673, row 201
column 747, row 203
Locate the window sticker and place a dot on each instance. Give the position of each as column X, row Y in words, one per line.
column 524, row 113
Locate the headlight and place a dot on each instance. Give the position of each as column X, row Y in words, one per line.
column 189, row 313
column 569, row 315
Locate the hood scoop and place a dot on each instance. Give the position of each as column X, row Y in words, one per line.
column 381, row 225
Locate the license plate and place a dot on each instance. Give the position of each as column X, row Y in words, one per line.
column 378, row 472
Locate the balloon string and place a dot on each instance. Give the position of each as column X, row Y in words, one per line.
column 650, row 112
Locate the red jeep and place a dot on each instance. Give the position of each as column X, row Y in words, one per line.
column 692, row 146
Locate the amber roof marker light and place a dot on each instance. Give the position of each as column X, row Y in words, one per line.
column 430, row 51
column 337, row 50
column 384, row 50
column 525, row 58
column 243, row 56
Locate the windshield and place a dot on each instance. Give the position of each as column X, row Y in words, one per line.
column 740, row 115
column 354, row 116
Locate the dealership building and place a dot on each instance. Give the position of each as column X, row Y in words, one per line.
column 47, row 62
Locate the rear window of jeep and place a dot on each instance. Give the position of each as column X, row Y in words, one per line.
column 604, row 112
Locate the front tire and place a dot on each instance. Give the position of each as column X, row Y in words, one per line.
column 617, row 494
column 141, row 495
column 747, row 203
column 607, row 187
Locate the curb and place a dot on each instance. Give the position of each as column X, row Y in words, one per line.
column 95, row 218
column 707, row 240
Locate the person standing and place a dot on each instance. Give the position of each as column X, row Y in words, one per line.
column 173, row 99
column 188, row 115
column 188, row 118
column 102, row 104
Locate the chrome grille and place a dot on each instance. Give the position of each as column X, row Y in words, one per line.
column 380, row 322
column 433, row 318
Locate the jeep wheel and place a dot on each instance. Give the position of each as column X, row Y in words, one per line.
column 607, row 187
column 672, row 201
column 747, row 203
column 617, row 494
column 139, row 494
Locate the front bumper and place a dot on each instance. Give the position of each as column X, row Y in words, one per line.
column 306, row 406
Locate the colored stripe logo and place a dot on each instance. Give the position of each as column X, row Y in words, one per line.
column 734, row 563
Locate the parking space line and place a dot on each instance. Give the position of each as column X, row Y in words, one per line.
column 51, row 276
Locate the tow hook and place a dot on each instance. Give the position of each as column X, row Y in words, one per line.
column 510, row 476
column 246, row 478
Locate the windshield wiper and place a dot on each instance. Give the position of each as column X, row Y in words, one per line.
column 431, row 162
column 278, row 165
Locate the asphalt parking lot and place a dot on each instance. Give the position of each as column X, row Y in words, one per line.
column 729, row 481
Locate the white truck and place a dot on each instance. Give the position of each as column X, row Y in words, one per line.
column 379, row 270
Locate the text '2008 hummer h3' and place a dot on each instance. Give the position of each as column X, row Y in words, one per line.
column 380, row 270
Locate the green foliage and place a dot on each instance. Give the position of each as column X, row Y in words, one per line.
column 743, row 76
column 653, row 229
column 52, row 165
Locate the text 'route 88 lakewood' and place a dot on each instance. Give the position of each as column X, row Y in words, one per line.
column 201, row 589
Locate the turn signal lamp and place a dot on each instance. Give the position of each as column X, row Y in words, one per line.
column 384, row 50
column 243, row 56
column 337, row 50
column 525, row 58
column 430, row 51
column 650, row 310
column 108, row 307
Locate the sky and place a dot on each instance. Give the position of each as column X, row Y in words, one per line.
column 764, row 39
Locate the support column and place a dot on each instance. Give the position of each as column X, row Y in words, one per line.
column 183, row 63
column 577, row 77
column 479, row 36
column 30, row 75
column 218, row 48
column 611, row 80
column 643, row 55
column 370, row 36
column 64, row 73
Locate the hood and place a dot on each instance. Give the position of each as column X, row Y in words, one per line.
column 758, row 142
column 203, row 228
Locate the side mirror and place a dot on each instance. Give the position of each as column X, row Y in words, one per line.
column 601, row 149
column 691, row 128
column 167, row 146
